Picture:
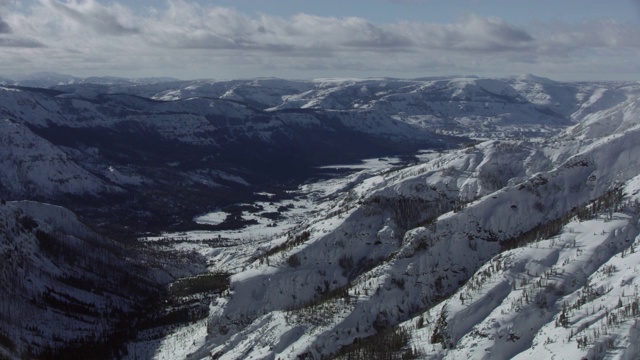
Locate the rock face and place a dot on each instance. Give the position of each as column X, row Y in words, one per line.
column 523, row 241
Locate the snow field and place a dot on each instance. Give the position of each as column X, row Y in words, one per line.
column 510, row 307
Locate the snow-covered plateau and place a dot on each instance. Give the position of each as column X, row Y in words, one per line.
column 439, row 218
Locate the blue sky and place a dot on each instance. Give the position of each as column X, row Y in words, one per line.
column 561, row 39
column 518, row 12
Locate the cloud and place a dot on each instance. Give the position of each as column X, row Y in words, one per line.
column 186, row 39
column 471, row 33
column 7, row 37
column 4, row 27
column 185, row 25
column 597, row 36
column 20, row 43
column 489, row 34
column 190, row 26
column 346, row 34
column 112, row 20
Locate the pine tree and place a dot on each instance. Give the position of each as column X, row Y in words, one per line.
column 440, row 333
column 563, row 319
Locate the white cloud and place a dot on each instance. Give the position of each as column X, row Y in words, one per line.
column 190, row 40
column 19, row 42
column 4, row 27
column 112, row 20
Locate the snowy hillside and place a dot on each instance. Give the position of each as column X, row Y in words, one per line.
column 55, row 292
column 506, row 227
column 506, row 248
column 32, row 166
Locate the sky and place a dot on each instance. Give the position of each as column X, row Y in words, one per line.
column 567, row 40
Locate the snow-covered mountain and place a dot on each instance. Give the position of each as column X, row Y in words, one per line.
column 433, row 232
column 85, row 141
column 460, row 106
column 48, row 79
column 513, row 234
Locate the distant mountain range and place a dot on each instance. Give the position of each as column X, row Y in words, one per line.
column 48, row 79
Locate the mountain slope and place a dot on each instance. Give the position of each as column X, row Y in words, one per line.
column 57, row 297
column 32, row 166
column 397, row 244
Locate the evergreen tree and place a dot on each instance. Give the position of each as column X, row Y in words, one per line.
column 440, row 333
